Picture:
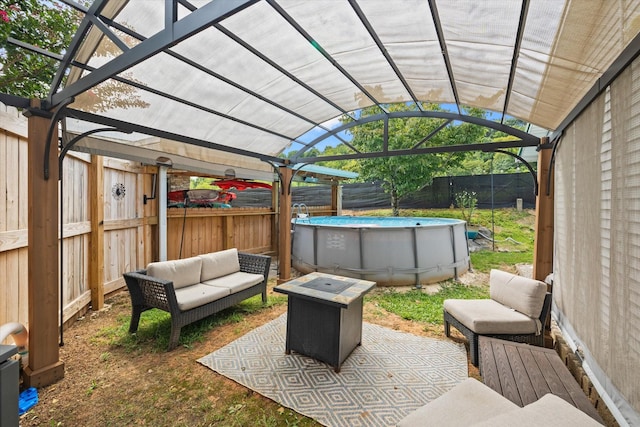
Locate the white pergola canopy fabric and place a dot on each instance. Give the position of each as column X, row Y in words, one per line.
column 252, row 77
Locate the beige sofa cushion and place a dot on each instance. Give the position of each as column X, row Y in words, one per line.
column 218, row 264
column 521, row 293
column 196, row 295
column 486, row 316
column 182, row 272
column 467, row 403
column 236, row 282
column 549, row 410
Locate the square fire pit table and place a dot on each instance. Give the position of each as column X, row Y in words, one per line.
column 324, row 316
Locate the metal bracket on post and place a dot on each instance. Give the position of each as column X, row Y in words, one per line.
column 293, row 175
column 61, row 156
column 146, row 198
column 68, row 146
column 54, row 123
column 552, row 161
column 531, row 171
column 275, row 169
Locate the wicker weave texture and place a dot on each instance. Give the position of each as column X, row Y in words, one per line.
column 472, row 337
column 149, row 292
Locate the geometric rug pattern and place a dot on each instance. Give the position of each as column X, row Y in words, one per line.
column 390, row 375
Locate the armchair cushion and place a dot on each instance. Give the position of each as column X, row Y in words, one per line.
column 182, row 272
column 218, row 264
column 489, row 317
column 520, row 293
column 236, row 282
column 467, row 403
column 549, row 410
column 196, row 295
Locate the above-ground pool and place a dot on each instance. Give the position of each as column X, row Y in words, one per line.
column 392, row 251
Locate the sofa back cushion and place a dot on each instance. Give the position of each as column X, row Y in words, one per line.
column 520, row 293
column 182, row 272
column 218, row 264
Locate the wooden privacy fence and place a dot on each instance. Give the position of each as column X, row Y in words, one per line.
column 107, row 227
column 104, row 232
column 103, row 235
column 194, row 231
column 13, row 217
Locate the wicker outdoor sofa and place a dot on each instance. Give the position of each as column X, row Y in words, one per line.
column 193, row 288
column 516, row 311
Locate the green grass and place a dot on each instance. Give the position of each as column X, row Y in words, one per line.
column 155, row 326
column 485, row 260
column 211, row 403
column 514, row 241
column 514, row 234
column 421, row 307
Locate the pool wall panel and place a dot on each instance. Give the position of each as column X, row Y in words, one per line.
column 388, row 255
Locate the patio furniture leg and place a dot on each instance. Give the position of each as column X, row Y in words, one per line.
column 473, row 349
column 472, row 337
column 175, row 336
column 135, row 319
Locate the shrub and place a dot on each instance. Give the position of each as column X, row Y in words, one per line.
column 466, row 201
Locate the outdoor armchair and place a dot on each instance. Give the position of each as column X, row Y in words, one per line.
column 516, row 311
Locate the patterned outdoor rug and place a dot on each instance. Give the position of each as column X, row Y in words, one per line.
column 391, row 374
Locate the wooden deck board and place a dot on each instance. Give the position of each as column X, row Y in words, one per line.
column 505, row 375
column 576, row 394
column 538, row 382
column 550, row 375
column 491, row 369
column 524, row 373
column 523, row 382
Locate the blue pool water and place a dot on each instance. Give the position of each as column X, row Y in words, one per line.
column 377, row 221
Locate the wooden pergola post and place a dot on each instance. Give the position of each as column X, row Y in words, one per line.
column 44, row 366
column 96, row 266
column 335, row 200
column 275, row 204
column 543, row 245
column 284, row 225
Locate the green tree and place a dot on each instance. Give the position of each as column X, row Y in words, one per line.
column 352, row 165
column 402, row 175
column 481, row 163
column 312, row 152
column 50, row 25
column 198, row 183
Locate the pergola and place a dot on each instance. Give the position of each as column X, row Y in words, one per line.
column 252, row 78
column 255, row 77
